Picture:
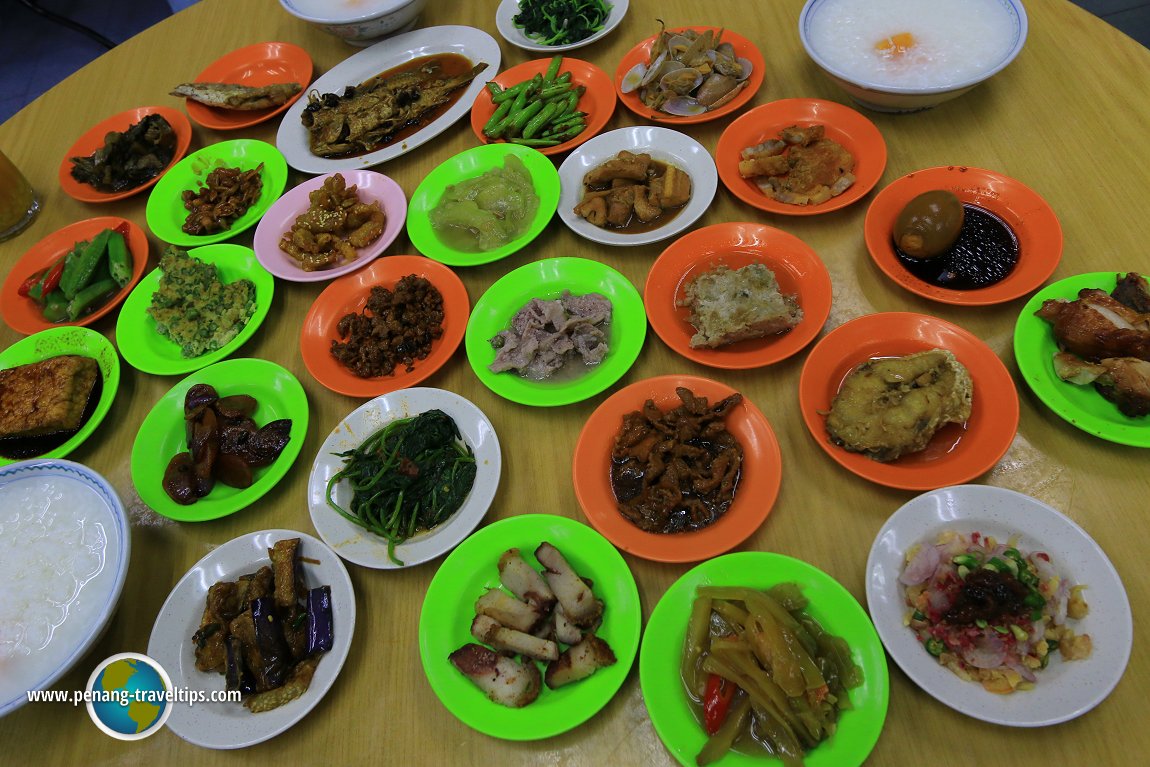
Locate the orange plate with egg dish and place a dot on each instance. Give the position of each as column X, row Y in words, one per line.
column 348, row 295
column 797, row 268
column 755, row 493
column 1025, row 213
column 850, row 129
column 255, row 66
column 93, row 139
column 598, row 101
column 958, row 452
column 641, row 54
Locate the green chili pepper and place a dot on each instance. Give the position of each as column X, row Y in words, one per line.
column 934, row 646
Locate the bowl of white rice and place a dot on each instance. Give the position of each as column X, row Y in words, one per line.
column 908, row 55
column 64, row 548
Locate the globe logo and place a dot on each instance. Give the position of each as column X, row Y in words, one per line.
column 129, row 696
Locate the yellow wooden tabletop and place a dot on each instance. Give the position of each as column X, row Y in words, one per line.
column 1067, row 118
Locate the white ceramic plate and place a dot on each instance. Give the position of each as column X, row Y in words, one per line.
column 1065, row 689
column 507, row 10
column 230, row 725
column 662, row 144
column 474, row 44
column 370, row 187
column 98, row 570
column 354, row 543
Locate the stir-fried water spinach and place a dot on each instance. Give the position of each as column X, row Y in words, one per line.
column 561, row 22
column 409, row 476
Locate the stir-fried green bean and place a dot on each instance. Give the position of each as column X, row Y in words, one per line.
column 539, row 112
column 409, row 476
column 561, row 22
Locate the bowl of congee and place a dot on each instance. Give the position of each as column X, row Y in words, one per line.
column 908, row 55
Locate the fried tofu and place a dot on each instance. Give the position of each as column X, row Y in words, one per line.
column 46, row 397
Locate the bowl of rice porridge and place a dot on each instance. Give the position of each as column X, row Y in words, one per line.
column 64, row 548
column 908, row 55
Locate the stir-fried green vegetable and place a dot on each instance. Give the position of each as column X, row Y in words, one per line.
column 411, row 475
column 561, row 22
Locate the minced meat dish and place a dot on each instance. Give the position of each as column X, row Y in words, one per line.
column 397, row 327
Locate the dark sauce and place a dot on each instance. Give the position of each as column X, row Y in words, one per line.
column 985, row 253
column 445, row 65
column 19, row 448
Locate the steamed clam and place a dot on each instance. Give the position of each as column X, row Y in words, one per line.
column 688, row 73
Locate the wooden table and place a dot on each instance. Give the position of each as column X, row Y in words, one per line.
column 1067, row 118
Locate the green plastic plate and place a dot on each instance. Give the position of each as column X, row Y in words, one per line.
column 830, row 604
column 161, row 436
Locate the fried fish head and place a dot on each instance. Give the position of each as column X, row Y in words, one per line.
column 888, row 408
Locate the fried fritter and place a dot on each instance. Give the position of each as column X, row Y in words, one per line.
column 887, row 408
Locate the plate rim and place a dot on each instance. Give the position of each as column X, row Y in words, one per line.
column 762, row 566
column 726, row 155
column 380, row 268
column 146, row 362
column 678, row 547
column 571, row 182
column 127, row 117
column 1049, row 227
column 290, row 390
column 665, row 328
column 507, row 10
column 136, row 237
column 366, row 255
column 205, row 115
column 1044, row 384
column 388, row 54
column 890, row 474
column 273, row 180
column 464, row 524
column 338, row 654
column 627, row 621
column 108, row 363
column 123, row 538
column 639, row 53
column 1021, row 508
column 628, row 348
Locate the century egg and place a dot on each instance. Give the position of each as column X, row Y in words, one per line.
column 984, row 254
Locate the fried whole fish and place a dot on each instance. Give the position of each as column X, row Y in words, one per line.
column 240, row 97
column 369, row 115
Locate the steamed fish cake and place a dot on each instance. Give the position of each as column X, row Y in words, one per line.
column 488, row 211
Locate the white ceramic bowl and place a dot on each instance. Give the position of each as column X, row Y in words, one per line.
column 891, row 98
column 360, row 23
column 93, row 546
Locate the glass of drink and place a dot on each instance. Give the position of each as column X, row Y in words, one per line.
column 18, row 203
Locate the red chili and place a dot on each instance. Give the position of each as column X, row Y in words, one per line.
column 52, row 281
column 27, row 285
column 123, row 229
column 717, row 702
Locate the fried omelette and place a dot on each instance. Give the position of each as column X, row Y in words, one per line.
column 887, row 408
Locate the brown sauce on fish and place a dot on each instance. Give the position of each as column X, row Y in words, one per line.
column 448, row 65
column 20, row 448
column 985, row 253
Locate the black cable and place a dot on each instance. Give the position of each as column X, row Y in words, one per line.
column 69, row 23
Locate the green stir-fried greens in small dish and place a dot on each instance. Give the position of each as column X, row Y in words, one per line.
column 561, row 22
column 409, row 476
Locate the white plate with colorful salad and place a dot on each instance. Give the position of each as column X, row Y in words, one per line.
column 966, row 581
column 570, row 23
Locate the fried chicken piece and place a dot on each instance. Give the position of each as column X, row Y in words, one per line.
column 1125, row 381
column 1096, row 326
column 1133, row 291
column 888, row 408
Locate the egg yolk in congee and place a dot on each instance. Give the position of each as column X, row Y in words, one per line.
column 896, row 45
